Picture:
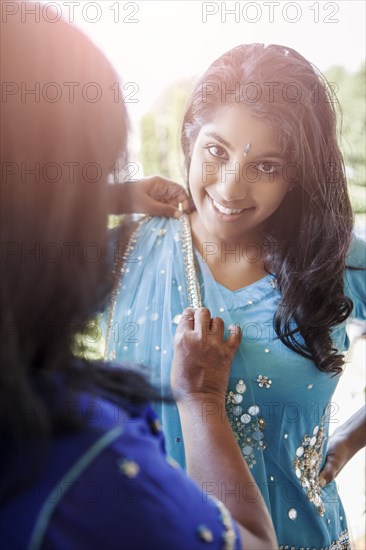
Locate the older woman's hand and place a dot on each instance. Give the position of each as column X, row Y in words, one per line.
column 199, row 378
column 202, row 358
column 152, row 195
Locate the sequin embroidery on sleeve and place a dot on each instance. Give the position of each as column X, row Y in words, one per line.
column 229, row 536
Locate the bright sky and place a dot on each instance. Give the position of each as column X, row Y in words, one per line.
column 153, row 43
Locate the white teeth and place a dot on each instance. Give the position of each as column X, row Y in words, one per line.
column 226, row 210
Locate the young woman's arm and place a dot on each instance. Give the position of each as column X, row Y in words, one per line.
column 343, row 445
column 200, row 373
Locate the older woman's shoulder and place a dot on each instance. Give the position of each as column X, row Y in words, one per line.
column 129, row 493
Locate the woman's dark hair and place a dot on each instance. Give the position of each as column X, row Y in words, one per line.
column 311, row 231
column 61, row 133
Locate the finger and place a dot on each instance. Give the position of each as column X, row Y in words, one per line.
column 166, row 190
column 181, row 196
column 186, row 321
column 164, row 210
column 329, row 471
column 202, row 320
column 176, row 197
column 188, row 205
column 234, row 339
column 218, row 327
column 176, row 192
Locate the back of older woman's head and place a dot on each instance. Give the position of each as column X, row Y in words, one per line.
column 62, row 131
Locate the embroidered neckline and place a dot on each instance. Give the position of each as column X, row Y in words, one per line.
column 190, row 262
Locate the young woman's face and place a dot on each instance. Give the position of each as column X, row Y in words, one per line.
column 234, row 192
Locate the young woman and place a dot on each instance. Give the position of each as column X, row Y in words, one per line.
column 269, row 248
column 82, row 460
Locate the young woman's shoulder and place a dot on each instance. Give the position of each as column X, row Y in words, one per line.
column 355, row 276
column 357, row 252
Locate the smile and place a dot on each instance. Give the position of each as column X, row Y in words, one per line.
column 224, row 210
column 225, row 214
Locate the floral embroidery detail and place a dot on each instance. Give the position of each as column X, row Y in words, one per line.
column 240, row 386
column 292, row 514
column 264, row 381
column 273, row 282
column 128, row 467
column 205, row 533
column 155, row 426
column 307, row 463
column 246, row 425
column 342, row 543
column 173, row 463
column 229, row 536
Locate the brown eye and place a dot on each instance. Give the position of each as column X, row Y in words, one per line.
column 217, row 151
column 267, row 167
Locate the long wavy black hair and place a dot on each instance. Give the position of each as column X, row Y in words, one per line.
column 311, row 230
column 62, row 132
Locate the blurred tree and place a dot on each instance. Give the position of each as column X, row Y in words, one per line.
column 160, row 133
column 350, row 91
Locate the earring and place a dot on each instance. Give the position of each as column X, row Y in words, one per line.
column 247, row 149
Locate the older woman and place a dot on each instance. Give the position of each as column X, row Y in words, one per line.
column 83, row 462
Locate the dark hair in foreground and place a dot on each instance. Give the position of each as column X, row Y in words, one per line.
column 55, row 272
column 311, row 230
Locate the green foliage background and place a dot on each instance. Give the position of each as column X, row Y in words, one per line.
column 160, row 133
column 351, row 96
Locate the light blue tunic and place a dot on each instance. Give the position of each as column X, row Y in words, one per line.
column 279, row 404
